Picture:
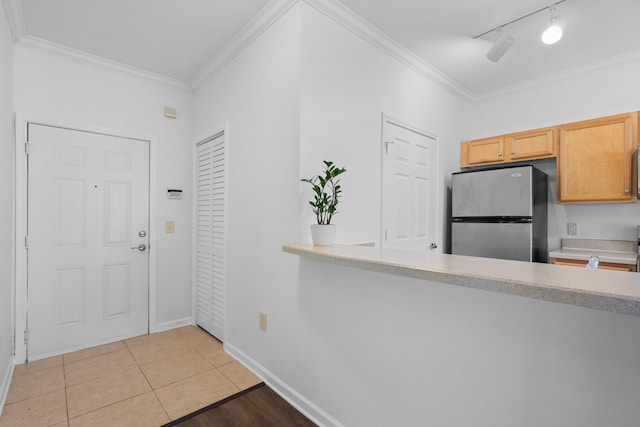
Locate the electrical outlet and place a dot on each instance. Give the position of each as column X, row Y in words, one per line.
column 572, row 228
column 263, row 321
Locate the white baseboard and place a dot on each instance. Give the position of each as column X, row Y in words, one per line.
column 298, row 401
column 161, row 327
column 5, row 383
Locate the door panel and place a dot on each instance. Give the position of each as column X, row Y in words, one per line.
column 409, row 188
column 211, row 235
column 492, row 240
column 88, row 197
column 496, row 192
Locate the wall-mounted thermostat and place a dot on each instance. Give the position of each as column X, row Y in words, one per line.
column 174, row 194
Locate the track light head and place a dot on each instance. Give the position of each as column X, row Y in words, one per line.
column 500, row 47
column 553, row 33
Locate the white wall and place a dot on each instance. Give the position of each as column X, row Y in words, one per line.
column 307, row 90
column 347, row 85
column 6, row 207
column 597, row 92
column 257, row 95
column 51, row 88
column 392, row 351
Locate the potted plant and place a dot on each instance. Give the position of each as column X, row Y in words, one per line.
column 326, row 189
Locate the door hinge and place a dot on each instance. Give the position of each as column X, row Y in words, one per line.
column 27, row 148
column 26, row 242
column 385, row 236
column 26, row 336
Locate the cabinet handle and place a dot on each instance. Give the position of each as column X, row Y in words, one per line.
column 499, row 154
column 513, row 152
column 626, row 191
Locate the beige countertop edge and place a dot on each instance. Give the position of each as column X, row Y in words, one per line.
column 604, row 256
column 613, row 291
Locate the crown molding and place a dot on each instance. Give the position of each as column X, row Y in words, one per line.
column 258, row 25
column 40, row 45
column 354, row 23
column 583, row 69
column 15, row 18
column 343, row 16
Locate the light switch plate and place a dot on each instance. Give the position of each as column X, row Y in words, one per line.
column 169, row 226
column 170, row 112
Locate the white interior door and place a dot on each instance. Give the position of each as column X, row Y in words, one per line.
column 211, row 235
column 409, row 188
column 88, row 212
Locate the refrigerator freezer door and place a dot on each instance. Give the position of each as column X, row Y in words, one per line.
column 496, row 192
column 492, row 240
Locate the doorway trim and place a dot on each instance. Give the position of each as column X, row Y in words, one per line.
column 387, row 119
column 21, row 179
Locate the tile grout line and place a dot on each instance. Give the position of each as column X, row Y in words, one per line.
column 186, row 338
column 148, row 382
column 210, row 363
column 66, row 395
column 119, row 401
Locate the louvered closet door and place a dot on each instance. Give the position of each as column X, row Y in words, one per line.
column 211, row 235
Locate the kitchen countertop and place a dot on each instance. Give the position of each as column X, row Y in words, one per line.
column 615, row 251
column 613, row 291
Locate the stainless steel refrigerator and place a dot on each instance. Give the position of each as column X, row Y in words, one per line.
column 500, row 213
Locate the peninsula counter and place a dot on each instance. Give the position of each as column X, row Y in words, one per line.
column 618, row 292
column 432, row 339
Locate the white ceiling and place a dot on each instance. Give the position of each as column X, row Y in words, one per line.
column 178, row 38
column 174, row 38
column 441, row 33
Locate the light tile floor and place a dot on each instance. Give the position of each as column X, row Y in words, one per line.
column 144, row 381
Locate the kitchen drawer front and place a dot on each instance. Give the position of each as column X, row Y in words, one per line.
column 601, row 265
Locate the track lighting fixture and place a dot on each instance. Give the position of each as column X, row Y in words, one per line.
column 551, row 35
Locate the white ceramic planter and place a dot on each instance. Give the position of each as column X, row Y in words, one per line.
column 323, row 234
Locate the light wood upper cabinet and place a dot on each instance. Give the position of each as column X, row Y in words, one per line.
column 594, row 159
column 535, row 144
column 529, row 145
column 482, row 151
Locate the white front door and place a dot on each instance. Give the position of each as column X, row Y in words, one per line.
column 409, row 188
column 88, row 225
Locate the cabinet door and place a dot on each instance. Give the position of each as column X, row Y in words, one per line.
column 594, row 159
column 536, row 144
column 483, row 151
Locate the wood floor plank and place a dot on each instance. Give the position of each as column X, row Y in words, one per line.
column 260, row 406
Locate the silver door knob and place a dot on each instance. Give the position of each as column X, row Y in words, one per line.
column 433, row 246
column 142, row 233
column 141, row 247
